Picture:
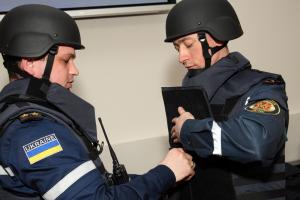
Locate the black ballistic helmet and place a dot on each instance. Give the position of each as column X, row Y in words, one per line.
column 30, row 31
column 216, row 17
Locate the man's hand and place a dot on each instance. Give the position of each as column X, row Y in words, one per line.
column 180, row 163
column 178, row 122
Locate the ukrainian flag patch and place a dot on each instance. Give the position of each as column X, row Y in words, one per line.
column 42, row 148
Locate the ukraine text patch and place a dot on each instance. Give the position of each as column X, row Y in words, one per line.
column 265, row 107
column 42, row 148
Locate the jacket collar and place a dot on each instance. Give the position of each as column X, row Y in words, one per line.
column 215, row 76
column 59, row 97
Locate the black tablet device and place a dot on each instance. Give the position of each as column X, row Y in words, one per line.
column 192, row 99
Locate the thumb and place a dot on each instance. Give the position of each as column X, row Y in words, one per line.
column 181, row 110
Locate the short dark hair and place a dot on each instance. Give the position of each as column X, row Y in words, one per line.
column 11, row 63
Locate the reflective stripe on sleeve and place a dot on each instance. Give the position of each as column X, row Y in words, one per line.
column 7, row 171
column 216, row 134
column 68, row 180
column 2, row 171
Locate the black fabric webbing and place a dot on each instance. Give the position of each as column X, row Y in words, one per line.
column 50, row 60
column 205, row 49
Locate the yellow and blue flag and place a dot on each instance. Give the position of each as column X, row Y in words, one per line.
column 42, row 148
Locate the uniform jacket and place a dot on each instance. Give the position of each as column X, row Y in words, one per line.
column 44, row 154
column 239, row 154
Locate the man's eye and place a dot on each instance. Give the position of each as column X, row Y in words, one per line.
column 189, row 45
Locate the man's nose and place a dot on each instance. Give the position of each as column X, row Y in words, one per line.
column 182, row 55
column 74, row 70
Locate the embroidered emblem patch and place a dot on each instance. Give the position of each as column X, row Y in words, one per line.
column 42, row 148
column 265, row 107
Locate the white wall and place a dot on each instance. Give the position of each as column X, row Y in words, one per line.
column 126, row 62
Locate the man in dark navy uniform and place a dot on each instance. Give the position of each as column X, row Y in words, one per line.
column 239, row 149
column 48, row 150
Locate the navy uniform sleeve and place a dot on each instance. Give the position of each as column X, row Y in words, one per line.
column 48, row 159
column 257, row 132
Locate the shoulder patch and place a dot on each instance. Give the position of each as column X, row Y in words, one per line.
column 42, row 148
column 265, row 107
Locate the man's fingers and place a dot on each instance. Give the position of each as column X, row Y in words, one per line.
column 181, row 110
column 190, row 176
column 175, row 140
column 173, row 133
column 174, row 120
column 189, row 157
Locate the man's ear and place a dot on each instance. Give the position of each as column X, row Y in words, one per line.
column 213, row 42
column 27, row 66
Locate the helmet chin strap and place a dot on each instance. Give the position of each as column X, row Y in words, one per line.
column 49, row 64
column 205, row 49
column 39, row 87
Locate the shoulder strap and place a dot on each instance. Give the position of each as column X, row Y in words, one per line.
column 16, row 106
column 235, row 87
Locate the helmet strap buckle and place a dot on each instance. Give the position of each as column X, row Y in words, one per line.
column 205, row 48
